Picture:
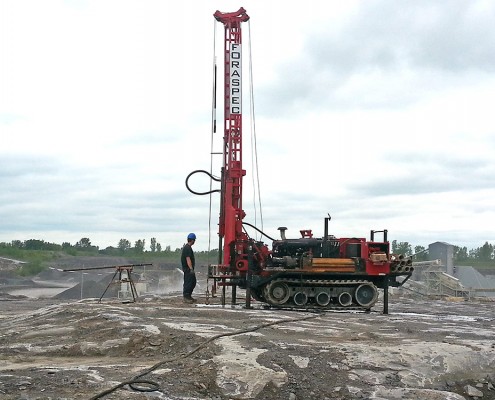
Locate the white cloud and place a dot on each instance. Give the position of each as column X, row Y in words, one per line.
column 378, row 113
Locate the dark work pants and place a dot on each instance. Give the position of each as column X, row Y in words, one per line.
column 189, row 282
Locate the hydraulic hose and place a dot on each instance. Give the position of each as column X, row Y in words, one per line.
column 259, row 230
column 204, row 172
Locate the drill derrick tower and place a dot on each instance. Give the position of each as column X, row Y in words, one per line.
column 231, row 212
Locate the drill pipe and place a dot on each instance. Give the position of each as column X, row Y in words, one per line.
column 108, row 267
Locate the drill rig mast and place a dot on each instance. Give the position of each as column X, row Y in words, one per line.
column 231, row 212
column 233, row 240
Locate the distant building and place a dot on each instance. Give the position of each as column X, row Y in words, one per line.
column 445, row 253
column 473, row 279
column 440, row 277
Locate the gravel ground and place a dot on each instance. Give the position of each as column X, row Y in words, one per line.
column 59, row 349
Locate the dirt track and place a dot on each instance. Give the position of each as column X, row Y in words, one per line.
column 77, row 350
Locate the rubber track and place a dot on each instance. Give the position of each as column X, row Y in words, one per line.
column 323, row 282
column 319, row 283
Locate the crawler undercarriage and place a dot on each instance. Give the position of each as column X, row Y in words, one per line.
column 304, row 291
column 319, row 293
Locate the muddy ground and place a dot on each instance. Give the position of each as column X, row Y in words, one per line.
column 83, row 349
column 75, row 347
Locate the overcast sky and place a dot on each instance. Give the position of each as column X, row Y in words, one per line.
column 377, row 112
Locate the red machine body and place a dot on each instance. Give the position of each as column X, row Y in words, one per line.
column 305, row 272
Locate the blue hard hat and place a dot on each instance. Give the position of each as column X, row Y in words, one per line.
column 191, row 236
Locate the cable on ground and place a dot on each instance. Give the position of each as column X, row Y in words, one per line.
column 154, row 386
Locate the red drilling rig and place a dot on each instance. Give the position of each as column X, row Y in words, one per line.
column 303, row 273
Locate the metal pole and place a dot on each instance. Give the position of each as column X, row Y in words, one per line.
column 223, row 292
column 248, row 275
column 234, row 295
column 385, row 296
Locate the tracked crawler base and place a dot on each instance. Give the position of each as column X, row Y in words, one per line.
column 319, row 293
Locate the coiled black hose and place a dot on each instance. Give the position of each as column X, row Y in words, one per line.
column 204, row 172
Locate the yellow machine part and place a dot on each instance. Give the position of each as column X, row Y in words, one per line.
column 332, row 265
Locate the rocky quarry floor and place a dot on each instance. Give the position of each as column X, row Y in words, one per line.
column 83, row 349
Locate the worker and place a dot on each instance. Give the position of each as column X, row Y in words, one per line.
column 187, row 260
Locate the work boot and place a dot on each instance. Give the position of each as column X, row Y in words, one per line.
column 188, row 300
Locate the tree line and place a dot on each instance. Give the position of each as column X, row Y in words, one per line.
column 483, row 253
column 124, row 246
column 37, row 254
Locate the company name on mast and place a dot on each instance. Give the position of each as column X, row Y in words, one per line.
column 235, row 79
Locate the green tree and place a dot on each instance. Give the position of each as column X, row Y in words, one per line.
column 401, row 248
column 124, row 245
column 34, row 244
column 139, row 246
column 153, row 245
column 84, row 243
column 17, row 244
column 485, row 252
column 473, row 254
column 461, row 253
column 158, row 247
column 420, row 253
